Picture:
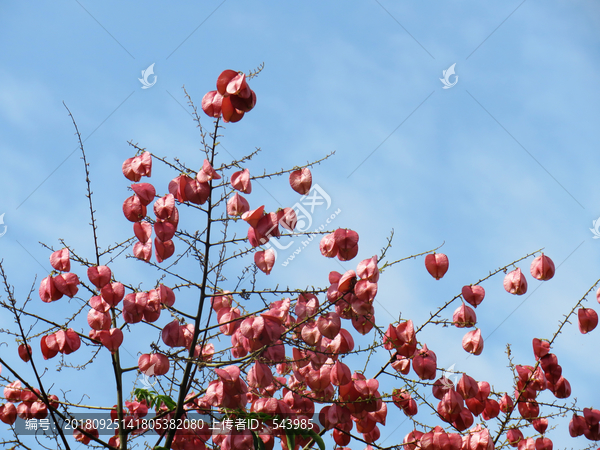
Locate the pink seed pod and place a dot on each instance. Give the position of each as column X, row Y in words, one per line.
column 473, row 342
column 301, row 181
column 515, row 282
column 473, row 295
column 464, row 317
column 347, row 243
column 328, row 246
column 237, row 205
column 145, row 192
column 264, row 260
column 542, row 268
column 153, row 364
column 240, row 181
column 99, row 276
column 60, row 260
column 436, row 264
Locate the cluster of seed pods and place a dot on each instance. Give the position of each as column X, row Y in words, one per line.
column 477, row 438
column 232, row 99
column 24, row 403
column 316, row 373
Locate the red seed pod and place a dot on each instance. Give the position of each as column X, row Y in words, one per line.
column 240, row 181
column 67, row 284
column 68, row 341
column 287, row 218
column 172, row 334
column 133, row 209
column 529, row 410
column 492, row 409
column 506, row 404
column 99, row 276
column 164, row 207
column 39, row 410
column 475, row 406
column 464, row 317
column 164, row 230
column 540, row 348
column 450, row 406
column 268, row 226
column 111, row 339
column 467, row 387
column 25, row 352
column 8, row 413
column 542, row 268
column 425, row 364
column 237, row 205
column 301, row 181
column 264, row 260
column 465, row 420
column 514, row 436
column 473, row 295
column 367, row 270
column 164, row 294
column 211, row 104
column 197, row 192
column 401, row 365
column 137, row 167
column 99, row 320
column 527, row 444
column 577, row 426
column 440, row 387
column 347, row 243
column 142, row 230
column 153, row 364
column 340, row 374
column 543, row 443
column 113, row 293
column 436, row 264
column 143, row 251
column 252, row 217
column 540, row 425
column 177, row 187
column 163, row 249
column 128, row 169
column 229, row 111
column 412, row 440
column 473, row 342
column 407, row 340
column 562, row 388
column 49, row 346
column 328, row 246
column 145, row 192
column 515, row 282
column 48, row 290
column 60, row 260
column 588, row 320
column 207, row 173
column 329, row 325
column 259, row 376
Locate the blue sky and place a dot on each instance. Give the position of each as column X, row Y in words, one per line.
column 503, row 163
